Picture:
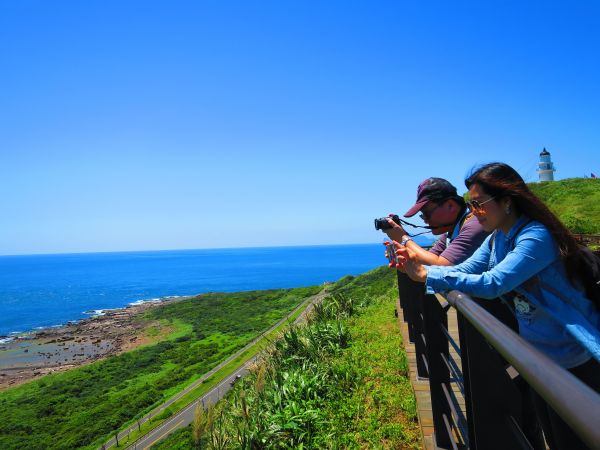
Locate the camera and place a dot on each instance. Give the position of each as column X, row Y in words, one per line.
column 382, row 223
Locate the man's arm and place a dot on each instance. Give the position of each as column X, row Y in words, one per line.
column 425, row 256
column 398, row 234
column 395, row 232
column 469, row 238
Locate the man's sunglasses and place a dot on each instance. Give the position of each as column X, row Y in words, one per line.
column 474, row 205
column 426, row 214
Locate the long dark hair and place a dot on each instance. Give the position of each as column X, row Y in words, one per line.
column 499, row 180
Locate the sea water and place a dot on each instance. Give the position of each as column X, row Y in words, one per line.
column 40, row 291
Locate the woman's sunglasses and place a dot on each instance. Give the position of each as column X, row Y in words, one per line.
column 474, row 205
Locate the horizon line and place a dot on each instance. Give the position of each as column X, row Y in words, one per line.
column 185, row 249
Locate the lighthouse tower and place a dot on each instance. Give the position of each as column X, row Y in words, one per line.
column 546, row 167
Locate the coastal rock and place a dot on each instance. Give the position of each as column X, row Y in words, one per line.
column 96, row 338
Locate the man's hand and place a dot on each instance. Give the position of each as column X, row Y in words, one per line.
column 407, row 259
column 396, row 232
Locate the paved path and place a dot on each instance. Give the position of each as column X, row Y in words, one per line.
column 185, row 416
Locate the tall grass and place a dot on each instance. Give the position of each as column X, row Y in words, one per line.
column 310, row 389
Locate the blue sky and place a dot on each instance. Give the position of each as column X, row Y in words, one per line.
column 134, row 125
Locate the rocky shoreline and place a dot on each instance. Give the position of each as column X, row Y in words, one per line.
column 57, row 349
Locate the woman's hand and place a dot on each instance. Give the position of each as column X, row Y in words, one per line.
column 390, row 254
column 407, row 260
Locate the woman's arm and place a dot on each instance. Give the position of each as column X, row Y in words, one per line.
column 533, row 252
column 410, row 263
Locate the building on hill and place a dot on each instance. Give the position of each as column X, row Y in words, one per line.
column 546, row 166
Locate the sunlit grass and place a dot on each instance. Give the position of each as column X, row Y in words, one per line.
column 576, row 201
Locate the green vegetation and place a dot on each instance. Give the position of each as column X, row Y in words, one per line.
column 576, row 201
column 208, row 383
column 82, row 408
column 338, row 382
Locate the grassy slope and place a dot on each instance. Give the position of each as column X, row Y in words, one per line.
column 83, row 406
column 576, row 201
column 380, row 411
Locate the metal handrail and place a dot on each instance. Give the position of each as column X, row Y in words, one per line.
column 576, row 403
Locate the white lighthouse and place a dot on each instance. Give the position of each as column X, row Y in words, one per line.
column 546, row 167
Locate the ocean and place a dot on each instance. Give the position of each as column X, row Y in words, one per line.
column 40, row 291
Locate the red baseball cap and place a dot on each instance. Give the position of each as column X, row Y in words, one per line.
column 431, row 189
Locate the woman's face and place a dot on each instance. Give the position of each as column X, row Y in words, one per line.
column 489, row 212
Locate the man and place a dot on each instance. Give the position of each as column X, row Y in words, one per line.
column 446, row 213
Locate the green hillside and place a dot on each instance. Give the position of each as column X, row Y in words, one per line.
column 83, row 407
column 341, row 381
column 576, row 201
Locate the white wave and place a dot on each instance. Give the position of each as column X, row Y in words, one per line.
column 137, row 302
column 149, row 300
column 96, row 312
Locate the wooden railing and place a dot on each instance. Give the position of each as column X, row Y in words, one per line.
column 494, row 369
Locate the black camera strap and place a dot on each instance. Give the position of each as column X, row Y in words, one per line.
column 427, row 227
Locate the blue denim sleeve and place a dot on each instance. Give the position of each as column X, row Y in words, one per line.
column 477, row 263
column 534, row 250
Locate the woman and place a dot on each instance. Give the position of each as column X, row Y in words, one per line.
column 532, row 262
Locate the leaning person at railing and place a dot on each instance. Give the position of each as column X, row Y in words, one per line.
column 446, row 214
column 532, row 262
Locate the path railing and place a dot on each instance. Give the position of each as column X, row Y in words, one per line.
column 493, row 368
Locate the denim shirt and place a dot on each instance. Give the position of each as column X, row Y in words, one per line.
column 553, row 316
